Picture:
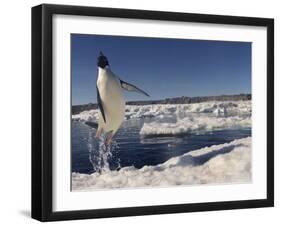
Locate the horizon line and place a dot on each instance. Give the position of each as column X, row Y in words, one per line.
column 240, row 94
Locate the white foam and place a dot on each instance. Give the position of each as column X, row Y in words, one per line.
column 224, row 163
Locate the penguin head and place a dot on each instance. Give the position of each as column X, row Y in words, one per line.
column 102, row 61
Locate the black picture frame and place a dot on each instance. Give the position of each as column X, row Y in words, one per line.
column 42, row 197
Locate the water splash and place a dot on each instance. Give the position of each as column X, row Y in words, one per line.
column 102, row 156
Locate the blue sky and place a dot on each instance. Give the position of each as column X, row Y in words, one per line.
column 162, row 67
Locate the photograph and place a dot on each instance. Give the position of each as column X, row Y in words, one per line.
column 159, row 112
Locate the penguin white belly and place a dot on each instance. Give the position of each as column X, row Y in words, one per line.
column 112, row 101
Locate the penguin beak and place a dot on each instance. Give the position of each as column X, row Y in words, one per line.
column 102, row 61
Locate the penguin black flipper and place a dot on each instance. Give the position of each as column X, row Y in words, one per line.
column 100, row 105
column 130, row 87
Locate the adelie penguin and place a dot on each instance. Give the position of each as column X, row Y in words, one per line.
column 110, row 99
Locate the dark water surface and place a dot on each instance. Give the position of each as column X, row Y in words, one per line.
column 131, row 149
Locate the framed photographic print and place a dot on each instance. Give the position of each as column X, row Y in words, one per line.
column 145, row 112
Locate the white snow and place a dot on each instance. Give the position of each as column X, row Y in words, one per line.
column 173, row 119
column 224, row 163
column 194, row 123
column 91, row 115
column 216, row 108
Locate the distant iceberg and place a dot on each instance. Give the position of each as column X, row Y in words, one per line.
column 224, row 163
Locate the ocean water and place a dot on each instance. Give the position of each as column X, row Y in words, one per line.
column 129, row 148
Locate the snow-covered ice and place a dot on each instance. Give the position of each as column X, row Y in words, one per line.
column 224, row 163
column 216, row 108
column 194, row 123
column 173, row 119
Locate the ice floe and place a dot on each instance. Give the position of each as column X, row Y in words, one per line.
column 174, row 119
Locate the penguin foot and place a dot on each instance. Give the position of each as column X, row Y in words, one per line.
column 98, row 133
column 109, row 138
column 109, row 141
